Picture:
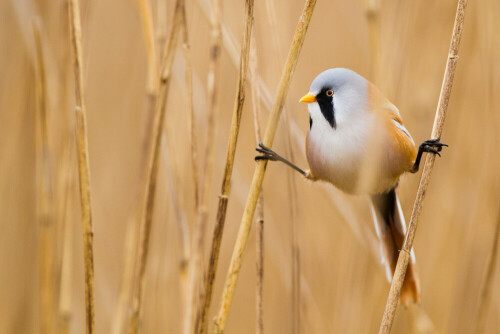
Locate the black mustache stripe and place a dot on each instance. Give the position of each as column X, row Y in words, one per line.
column 328, row 110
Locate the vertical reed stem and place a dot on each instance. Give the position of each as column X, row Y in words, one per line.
column 45, row 196
column 444, row 97
column 488, row 283
column 194, row 277
column 149, row 197
column 231, row 151
column 373, row 17
column 83, row 163
column 243, row 233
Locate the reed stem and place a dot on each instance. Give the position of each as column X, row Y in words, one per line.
column 259, row 241
column 485, row 298
column 149, row 197
column 444, row 97
column 231, row 151
column 243, row 233
column 83, row 163
column 45, row 204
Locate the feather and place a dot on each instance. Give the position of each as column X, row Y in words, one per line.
column 390, row 226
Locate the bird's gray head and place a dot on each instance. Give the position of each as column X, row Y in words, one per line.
column 336, row 92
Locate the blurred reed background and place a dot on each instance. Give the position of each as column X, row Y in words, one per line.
column 321, row 257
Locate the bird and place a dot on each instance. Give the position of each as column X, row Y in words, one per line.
column 357, row 141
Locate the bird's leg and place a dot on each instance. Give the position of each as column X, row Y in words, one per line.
column 268, row 154
column 430, row 146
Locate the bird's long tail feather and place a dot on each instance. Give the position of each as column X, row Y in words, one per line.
column 391, row 228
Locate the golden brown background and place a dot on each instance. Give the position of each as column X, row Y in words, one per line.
column 343, row 288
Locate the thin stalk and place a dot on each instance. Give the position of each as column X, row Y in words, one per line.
column 149, row 40
column 373, row 17
column 190, row 109
column 192, row 129
column 83, row 164
column 231, row 151
column 259, row 265
column 171, row 176
column 488, row 283
column 45, row 196
column 127, row 283
column 259, row 243
column 161, row 25
column 66, row 186
column 290, row 184
column 132, row 230
column 149, row 197
column 195, row 265
column 444, row 97
column 65, row 299
column 243, row 233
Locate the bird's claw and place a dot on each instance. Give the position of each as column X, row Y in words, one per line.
column 433, row 146
column 267, row 153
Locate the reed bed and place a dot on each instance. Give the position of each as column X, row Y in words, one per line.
column 314, row 265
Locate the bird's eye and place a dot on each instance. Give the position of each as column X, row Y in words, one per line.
column 329, row 92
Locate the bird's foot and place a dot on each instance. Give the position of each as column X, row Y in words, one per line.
column 267, row 153
column 432, row 146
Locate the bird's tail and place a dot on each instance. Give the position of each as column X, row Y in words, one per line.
column 391, row 229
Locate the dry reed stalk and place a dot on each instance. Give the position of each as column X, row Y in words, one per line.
column 83, row 163
column 444, row 97
column 488, row 283
column 149, row 40
column 65, row 298
column 373, row 17
column 161, row 25
column 258, row 176
column 190, row 109
column 195, row 265
column 291, row 184
column 44, row 194
column 152, row 171
column 231, row 151
column 179, row 215
column 259, row 241
column 127, row 281
column 259, row 265
column 66, row 186
column 133, row 229
column 151, row 81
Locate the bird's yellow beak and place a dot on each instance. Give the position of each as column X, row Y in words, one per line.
column 308, row 98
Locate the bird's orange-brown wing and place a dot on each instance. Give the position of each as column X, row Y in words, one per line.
column 402, row 141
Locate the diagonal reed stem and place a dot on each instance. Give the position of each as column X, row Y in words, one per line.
column 149, row 197
column 83, row 163
column 444, row 98
column 259, row 241
column 231, row 151
column 258, row 177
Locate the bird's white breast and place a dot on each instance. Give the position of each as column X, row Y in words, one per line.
column 336, row 154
